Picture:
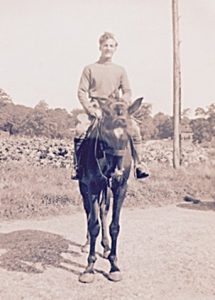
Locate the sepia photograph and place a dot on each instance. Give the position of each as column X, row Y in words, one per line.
column 107, row 149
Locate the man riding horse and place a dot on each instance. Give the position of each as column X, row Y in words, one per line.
column 105, row 159
column 103, row 80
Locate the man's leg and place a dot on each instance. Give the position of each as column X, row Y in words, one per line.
column 141, row 171
column 80, row 135
column 77, row 144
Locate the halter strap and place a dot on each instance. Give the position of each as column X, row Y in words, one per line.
column 95, row 149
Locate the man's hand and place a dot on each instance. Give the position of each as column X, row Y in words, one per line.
column 94, row 112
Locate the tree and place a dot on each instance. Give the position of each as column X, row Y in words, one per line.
column 201, row 130
column 52, row 123
column 204, row 125
column 164, row 126
column 42, row 105
column 4, row 97
column 165, row 129
column 185, row 113
column 147, row 128
column 210, row 110
column 200, row 112
column 144, row 118
column 74, row 114
column 211, row 119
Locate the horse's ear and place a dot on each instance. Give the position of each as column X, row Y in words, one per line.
column 135, row 106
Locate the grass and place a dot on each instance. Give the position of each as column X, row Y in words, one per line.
column 167, row 185
column 32, row 191
column 28, row 191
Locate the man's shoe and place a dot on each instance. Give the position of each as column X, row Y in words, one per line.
column 74, row 175
column 140, row 173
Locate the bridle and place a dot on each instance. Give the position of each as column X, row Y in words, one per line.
column 109, row 150
column 119, row 153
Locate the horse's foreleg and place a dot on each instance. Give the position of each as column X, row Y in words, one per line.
column 93, row 229
column 119, row 195
column 104, row 208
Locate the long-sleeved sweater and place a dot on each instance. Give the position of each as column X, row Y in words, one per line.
column 100, row 80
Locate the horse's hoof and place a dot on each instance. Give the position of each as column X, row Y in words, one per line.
column 86, row 277
column 115, row 276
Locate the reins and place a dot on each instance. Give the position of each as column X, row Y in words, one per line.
column 95, row 150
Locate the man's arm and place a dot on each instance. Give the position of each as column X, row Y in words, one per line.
column 83, row 90
column 125, row 86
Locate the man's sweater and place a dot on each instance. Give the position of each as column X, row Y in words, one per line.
column 100, row 80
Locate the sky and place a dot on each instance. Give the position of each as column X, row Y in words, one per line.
column 45, row 44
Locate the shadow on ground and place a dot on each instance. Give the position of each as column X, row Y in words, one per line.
column 196, row 204
column 32, row 251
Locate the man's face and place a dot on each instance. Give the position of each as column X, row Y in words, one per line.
column 107, row 48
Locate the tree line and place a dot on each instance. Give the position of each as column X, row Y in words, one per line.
column 59, row 123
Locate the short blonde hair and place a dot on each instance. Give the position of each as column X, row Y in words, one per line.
column 106, row 36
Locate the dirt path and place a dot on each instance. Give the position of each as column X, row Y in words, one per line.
column 164, row 253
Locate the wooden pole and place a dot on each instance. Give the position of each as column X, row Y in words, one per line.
column 176, row 87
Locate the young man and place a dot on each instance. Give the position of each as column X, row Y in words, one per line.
column 100, row 80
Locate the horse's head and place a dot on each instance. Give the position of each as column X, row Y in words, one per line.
column 116, row 122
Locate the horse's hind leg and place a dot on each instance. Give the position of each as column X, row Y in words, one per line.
column 93, row 227
column 104, row 208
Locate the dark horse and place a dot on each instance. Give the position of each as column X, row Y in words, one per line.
column 105, row 159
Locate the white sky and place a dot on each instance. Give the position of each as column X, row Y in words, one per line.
column 44, row 45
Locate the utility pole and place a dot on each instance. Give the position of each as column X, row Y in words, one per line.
column 176, row 87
